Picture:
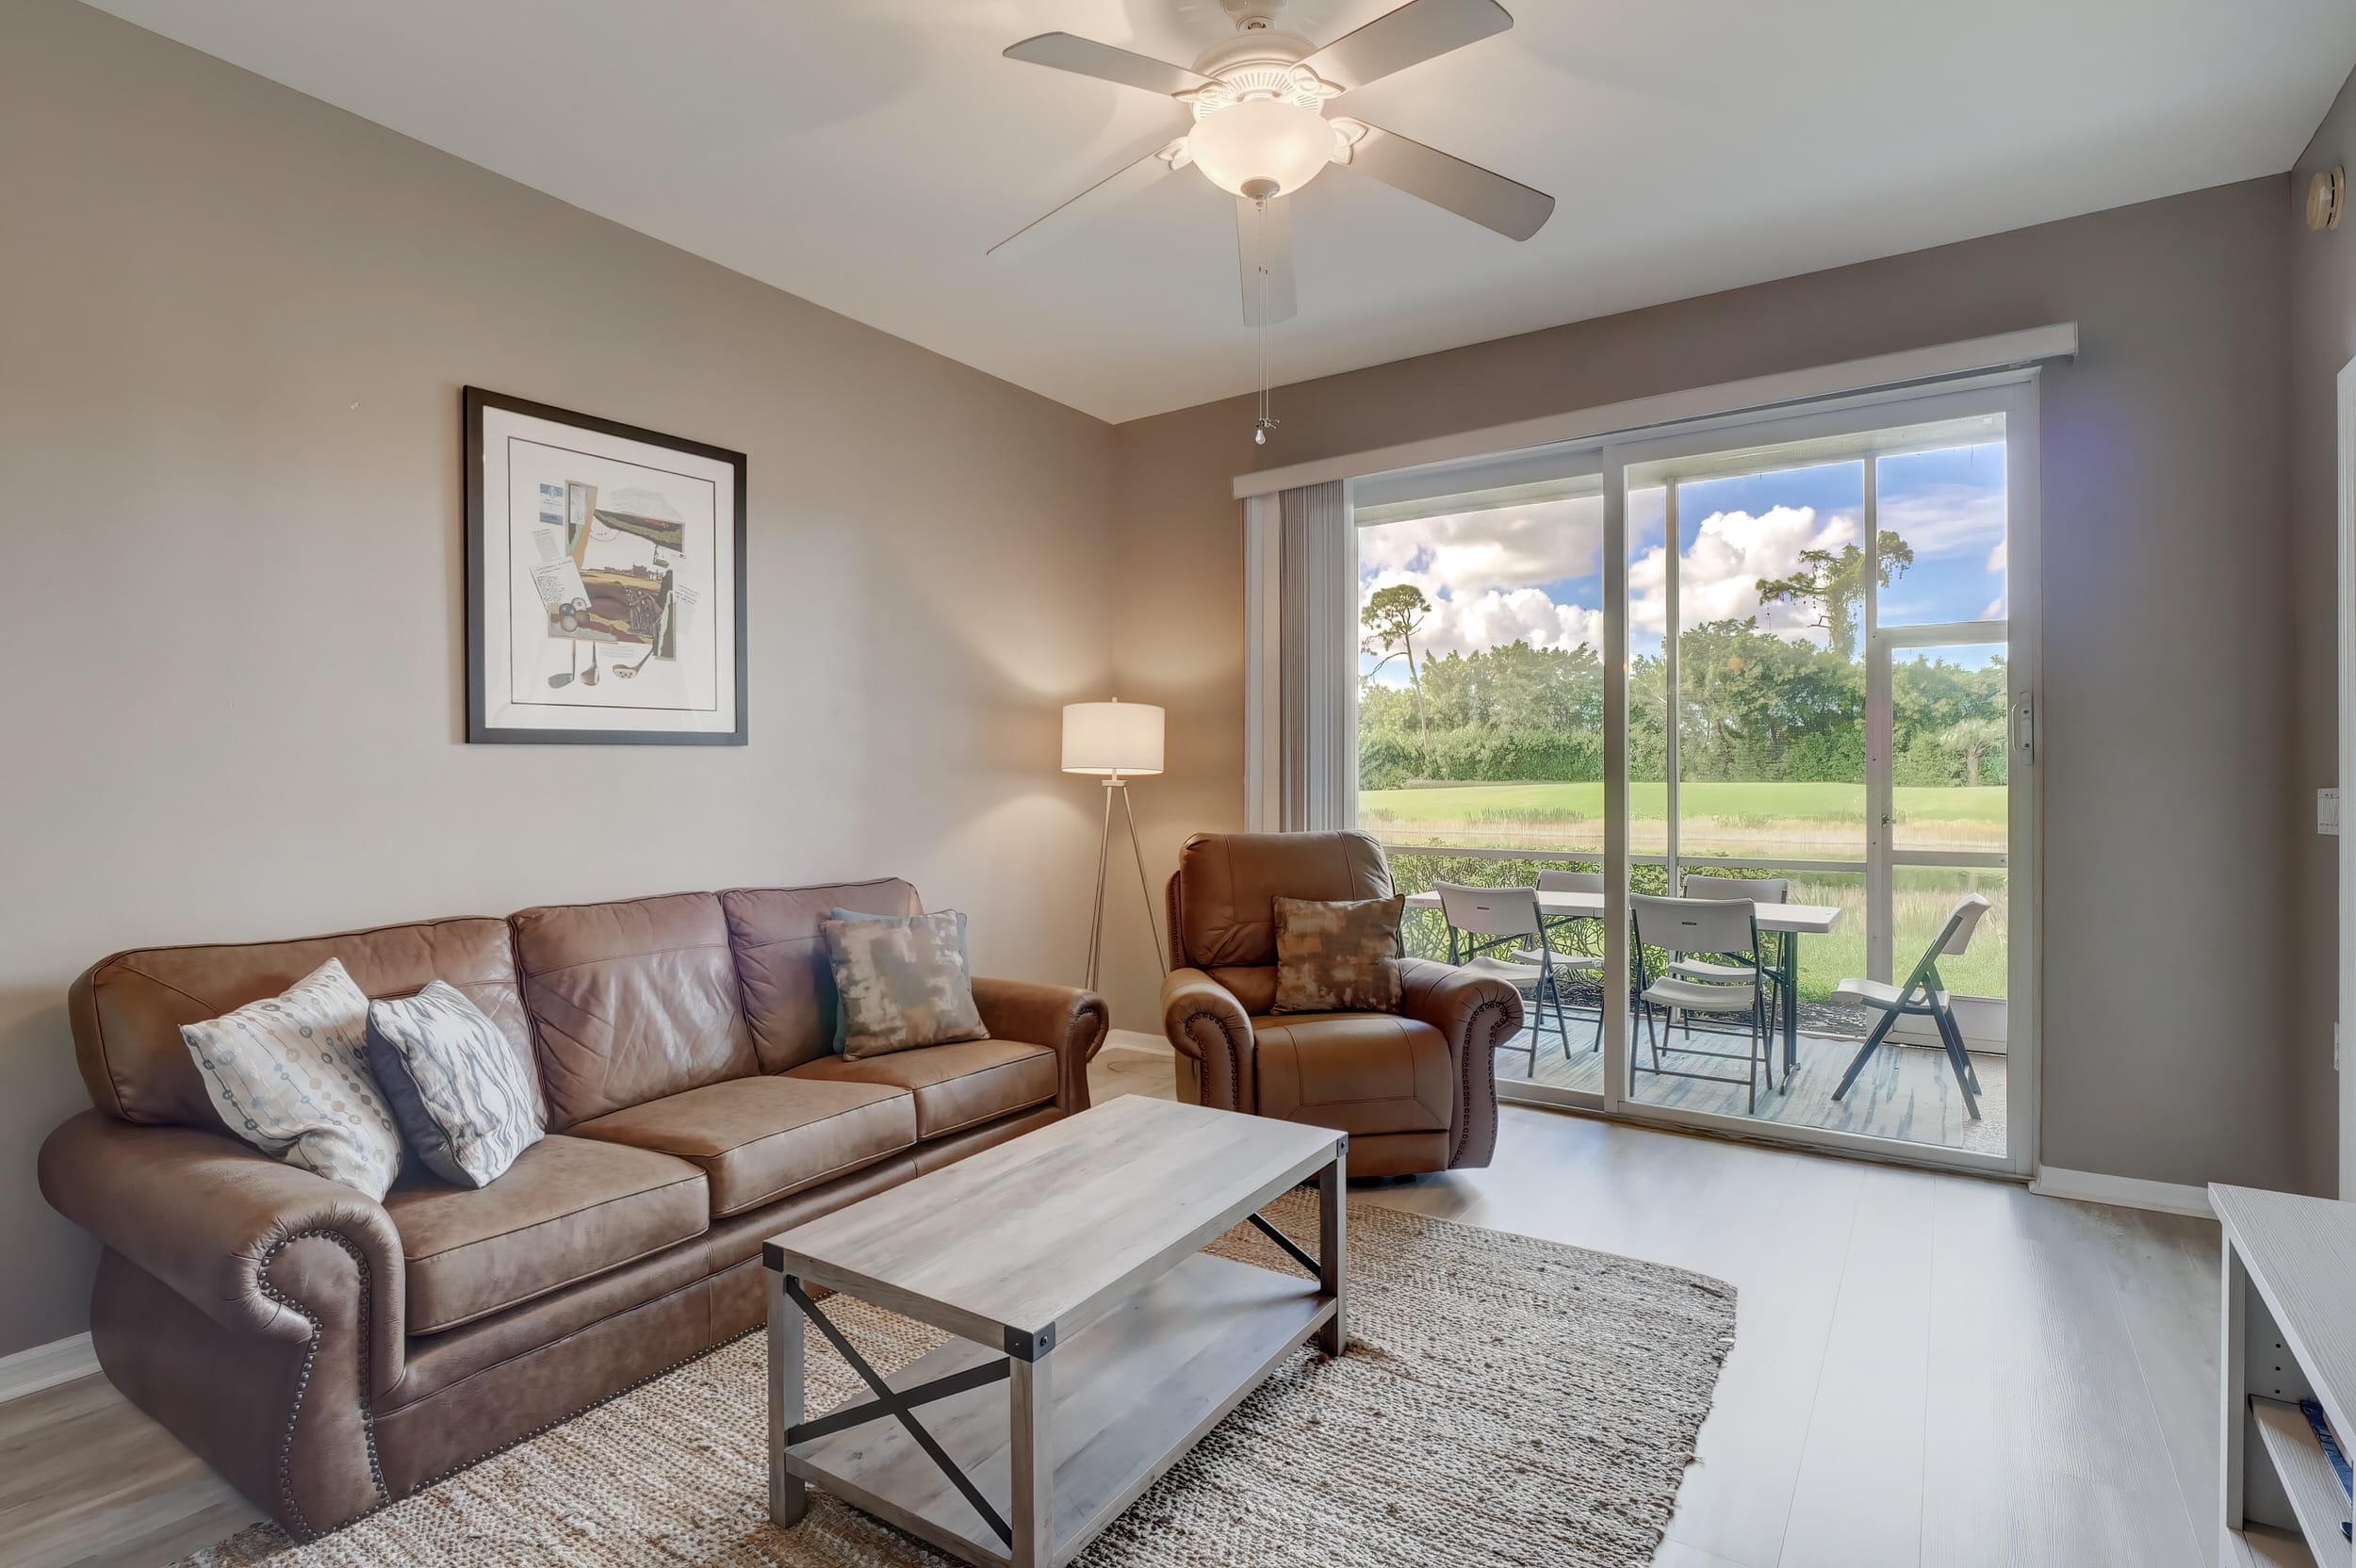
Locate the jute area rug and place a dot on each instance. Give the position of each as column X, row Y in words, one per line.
column 1503, row 1400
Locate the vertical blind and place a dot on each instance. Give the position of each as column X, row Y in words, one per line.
column 1317, row 587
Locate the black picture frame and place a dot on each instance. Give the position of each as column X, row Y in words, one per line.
column 476, row 402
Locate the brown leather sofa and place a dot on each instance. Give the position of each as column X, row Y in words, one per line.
column 1415, row 1090
column 328, row 1353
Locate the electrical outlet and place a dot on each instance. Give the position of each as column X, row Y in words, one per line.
column 2327, row 812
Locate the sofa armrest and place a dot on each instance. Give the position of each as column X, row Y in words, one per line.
column 1474, row 1013
column 1068, row 1021
column 218, row 1223
column 1205, row 1022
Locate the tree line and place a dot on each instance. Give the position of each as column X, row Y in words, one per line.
column 1753, row 705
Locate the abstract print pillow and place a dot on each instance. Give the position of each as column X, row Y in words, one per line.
column 902, row 982
column 843, row 1015
column 1338, row 957
column 287, row 1076
column 462, row 1099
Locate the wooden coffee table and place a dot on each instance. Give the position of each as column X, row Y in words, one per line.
column 1076, row 1248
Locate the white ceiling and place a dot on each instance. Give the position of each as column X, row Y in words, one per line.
column 864, row 154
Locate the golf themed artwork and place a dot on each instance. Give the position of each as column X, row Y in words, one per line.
column 605, row 580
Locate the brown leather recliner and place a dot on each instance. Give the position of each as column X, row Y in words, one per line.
column 1415, row 1090
column 328, row 1352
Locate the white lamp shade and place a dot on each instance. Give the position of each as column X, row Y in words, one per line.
column 1110, row 737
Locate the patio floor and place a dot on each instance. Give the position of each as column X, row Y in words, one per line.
column 1905, row 1092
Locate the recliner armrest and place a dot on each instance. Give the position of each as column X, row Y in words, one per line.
column 1204, row 1020
column 1474, row 1013
column 210, row 1217
column 1068, row 1021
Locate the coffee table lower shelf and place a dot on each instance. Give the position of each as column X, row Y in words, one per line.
column 1130, row 1394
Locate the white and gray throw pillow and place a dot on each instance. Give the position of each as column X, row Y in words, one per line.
column 461, row 1097
column 902, row 982
column 287, row 1076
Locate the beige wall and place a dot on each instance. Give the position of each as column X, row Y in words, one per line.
column 2169, row 1042
column 2322, row 339
column 233, row 324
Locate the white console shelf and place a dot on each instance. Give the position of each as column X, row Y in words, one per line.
column 2289, row 1326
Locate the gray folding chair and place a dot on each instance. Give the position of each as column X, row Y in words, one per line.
column 1483, row 921
column 1758, row 889
column 1924, row 995
column 1729, row 928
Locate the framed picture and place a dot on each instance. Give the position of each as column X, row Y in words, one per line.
column 605, row 581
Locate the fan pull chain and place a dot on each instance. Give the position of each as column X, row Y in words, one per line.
column 1263, row 423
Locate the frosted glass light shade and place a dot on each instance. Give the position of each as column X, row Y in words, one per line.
column 1261, row 147
column 1110, row 737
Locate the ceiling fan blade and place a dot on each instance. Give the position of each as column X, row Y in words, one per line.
column 1264, row 240
column 1142, row 172
column 1416, row 32
column 1467, row 189
column 1088, row 58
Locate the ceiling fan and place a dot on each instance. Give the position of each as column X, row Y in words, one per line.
column 1261, row 129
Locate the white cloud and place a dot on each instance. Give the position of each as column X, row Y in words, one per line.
column 1505, row 548
column 1948, row 520
column 1480, row 570
column 1470, row 623
column 1718, row 578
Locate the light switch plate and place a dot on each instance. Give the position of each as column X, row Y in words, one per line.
column 2328, row 811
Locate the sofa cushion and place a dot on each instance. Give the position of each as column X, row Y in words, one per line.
column 631, row 1002
column 758, row 1139
column 1358, row 1073
column 127, row 1010
column 955, row 1085
column 568, row 1208
column 781, row 961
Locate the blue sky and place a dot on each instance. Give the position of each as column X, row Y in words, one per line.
column 1535, row 571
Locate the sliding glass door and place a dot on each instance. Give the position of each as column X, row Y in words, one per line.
column 1837, row 701
column 1770, row 659
column 1481, row 722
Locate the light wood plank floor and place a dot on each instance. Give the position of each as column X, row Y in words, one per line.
column 1929, row 1369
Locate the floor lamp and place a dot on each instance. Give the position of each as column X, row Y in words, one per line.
column 1116, row 741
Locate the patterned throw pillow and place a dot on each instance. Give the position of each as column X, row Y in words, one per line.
column 902, row 982
column 462, row 1099
column 287, row 1076
column 1338, row 957
column 843, row 1015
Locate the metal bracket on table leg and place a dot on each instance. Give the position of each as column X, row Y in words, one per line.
column 892, row 1401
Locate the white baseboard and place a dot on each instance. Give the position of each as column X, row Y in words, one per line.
column 46, row 1367
column 2126, row 1192
column 1137, row 1039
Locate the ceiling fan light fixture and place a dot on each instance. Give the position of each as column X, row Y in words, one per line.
column 1261, row 147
